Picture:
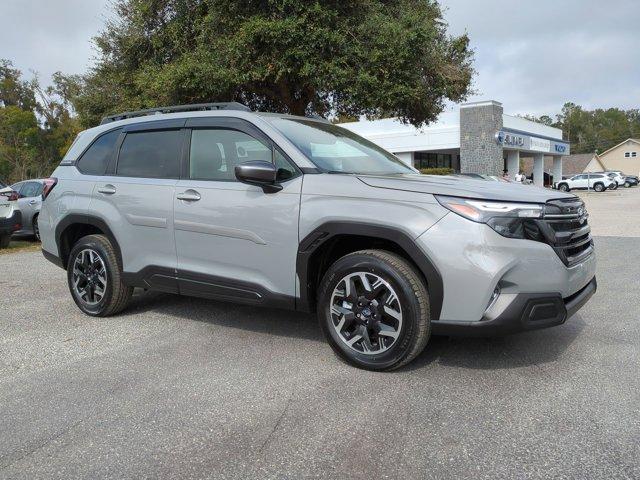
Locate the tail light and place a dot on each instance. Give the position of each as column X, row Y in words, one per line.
column 12, row 196
column 48, row 183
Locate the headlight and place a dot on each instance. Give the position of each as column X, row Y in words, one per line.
column 513, row 220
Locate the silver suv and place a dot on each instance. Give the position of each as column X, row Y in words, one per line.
column 282, row 211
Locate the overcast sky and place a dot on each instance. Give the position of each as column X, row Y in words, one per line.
column 530, row 55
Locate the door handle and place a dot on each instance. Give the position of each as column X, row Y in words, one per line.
column 107, row 190
column 32, row 202
column 189, row 196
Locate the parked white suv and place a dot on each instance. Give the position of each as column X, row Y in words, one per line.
column 598, row 182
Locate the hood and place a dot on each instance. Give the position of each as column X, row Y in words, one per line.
column 464, row 187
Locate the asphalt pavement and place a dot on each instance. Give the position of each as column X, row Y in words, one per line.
column 186, row 388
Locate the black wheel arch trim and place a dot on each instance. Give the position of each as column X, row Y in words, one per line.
column 327, row 231
column 81, row 219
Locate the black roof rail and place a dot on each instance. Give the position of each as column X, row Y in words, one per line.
column 177, row 108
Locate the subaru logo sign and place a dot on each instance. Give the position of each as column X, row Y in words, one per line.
column 500, row 137
column 561, row 148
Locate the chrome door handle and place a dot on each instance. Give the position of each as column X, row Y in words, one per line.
column 107, row 190
column 189, row 196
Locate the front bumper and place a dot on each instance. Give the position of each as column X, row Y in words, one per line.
column 11, row 224
column 520, row 312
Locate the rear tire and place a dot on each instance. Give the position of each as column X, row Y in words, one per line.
column 5, row 240
column 373, row 309
column 627, row 184
column 563, row 187
column 95, row 277
column 36, row 229
column 598, row 187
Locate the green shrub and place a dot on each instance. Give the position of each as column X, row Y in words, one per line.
column 436, row 171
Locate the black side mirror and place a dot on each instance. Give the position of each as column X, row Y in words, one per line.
column 260, row 173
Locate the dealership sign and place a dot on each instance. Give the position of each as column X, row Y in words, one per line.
column 510, row 139
column 519, row 141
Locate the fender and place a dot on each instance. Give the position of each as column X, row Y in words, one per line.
column 328, row 230
column 81, row 219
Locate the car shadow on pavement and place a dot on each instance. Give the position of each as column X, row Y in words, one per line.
column 526, row 349
column 283, row 323
column 508, row 352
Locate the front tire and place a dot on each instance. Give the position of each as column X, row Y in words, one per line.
column 563, row 187
column 95, row 278
column 373, row 309
column 598, row 187
column 627, row 184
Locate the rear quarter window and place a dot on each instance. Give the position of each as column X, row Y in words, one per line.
column 95, row 159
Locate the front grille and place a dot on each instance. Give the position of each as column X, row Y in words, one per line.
column 566, row 229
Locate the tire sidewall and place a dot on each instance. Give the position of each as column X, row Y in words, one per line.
column 598, row 187
column 408, row 301
column 564, row 187
column 100, row 308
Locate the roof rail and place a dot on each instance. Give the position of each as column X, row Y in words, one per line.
column 177, row 108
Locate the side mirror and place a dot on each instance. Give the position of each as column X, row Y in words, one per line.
column 260, row 173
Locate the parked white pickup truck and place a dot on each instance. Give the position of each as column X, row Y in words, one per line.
column 598, row 182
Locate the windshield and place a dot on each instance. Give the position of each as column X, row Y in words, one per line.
column 337, row 150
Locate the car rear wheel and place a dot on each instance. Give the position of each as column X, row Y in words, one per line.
column 598, row 187
column 627, row 184
column 373, row 308
column 5, row 240
column 36, row 230
column 94, row 277
column 563, row 187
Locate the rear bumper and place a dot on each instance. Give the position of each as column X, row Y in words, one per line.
column 11, row 224
column 520, row 312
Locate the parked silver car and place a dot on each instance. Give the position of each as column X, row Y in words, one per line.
column 293, row 212
column 29, row 202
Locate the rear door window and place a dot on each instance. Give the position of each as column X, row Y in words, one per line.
column 95, row 159
column 152, row 154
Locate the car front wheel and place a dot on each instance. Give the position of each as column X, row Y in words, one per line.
column 598, row 187
column 563, row 187
column 95, row 279
column 373, row 309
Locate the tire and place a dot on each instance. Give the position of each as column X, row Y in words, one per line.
column 627, row 184
column 614, row 186
column 599, row 187
column 563, row 187
column 400, row 300
column 5, row 240
column 36, row 230
column 104, row 269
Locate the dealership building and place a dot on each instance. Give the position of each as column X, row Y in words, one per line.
column 473, row 138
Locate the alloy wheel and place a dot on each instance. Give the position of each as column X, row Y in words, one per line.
column 366, row 313
column 89, row 277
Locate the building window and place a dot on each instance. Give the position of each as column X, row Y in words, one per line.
column 630, row 154
column 433, row 160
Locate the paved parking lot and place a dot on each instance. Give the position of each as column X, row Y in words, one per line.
column 189, row 388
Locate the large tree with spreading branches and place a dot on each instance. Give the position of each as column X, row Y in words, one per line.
column 327, row 57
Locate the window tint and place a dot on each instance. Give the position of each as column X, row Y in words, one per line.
column 153, row 154
column 96, row 159
column 31, row 189
column 216, row 152
column 285, row 169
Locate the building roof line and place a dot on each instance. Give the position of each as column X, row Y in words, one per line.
column 621, row 143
